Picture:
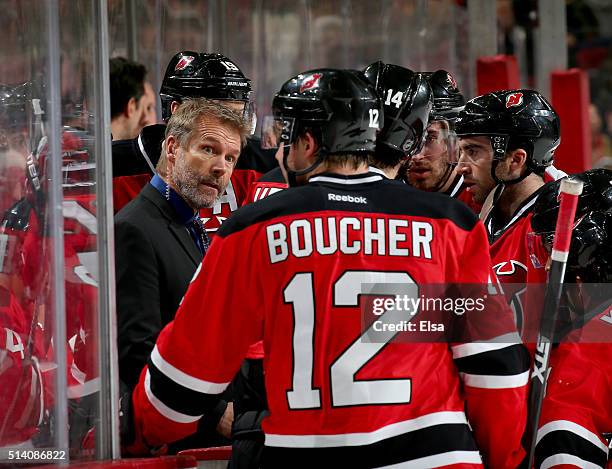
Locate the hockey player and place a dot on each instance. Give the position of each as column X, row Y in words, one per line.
column 576, row 411
column 402, row 135
column 434, row 167
column 333, row 398
column 507, row 140
column 188, row 75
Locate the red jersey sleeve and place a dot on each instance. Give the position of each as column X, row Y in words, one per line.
column 494, row 368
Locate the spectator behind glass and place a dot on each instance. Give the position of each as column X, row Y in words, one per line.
column 127, row 87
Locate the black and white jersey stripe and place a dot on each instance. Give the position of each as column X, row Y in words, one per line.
column 176, row 395
column 499, row 363
column 434, row 440
column 564, row 442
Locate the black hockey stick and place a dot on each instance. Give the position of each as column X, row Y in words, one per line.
column 569, row 193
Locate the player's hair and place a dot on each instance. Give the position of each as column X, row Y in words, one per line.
column 187, row 116
column 126, row 82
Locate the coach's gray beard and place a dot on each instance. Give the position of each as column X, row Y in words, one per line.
column 187, row 184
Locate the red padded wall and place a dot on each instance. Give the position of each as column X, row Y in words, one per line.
column 570, row 96
column 498, row 72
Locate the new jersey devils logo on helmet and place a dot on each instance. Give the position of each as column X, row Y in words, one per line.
column 310, row 82
column 184, row 62
column 451, row 80
column 514, row 99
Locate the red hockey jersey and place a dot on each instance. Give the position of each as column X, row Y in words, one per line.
column 270, row 183
column 458, row 191
column 512, row 249
column 134, row 162
column 21, row 392
column 577, row 410
column 300, row 259
column 233, row 198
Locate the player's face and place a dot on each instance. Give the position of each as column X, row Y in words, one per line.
column 201, row 172
column 148, row 106
column 427, row 168
column 475, row 159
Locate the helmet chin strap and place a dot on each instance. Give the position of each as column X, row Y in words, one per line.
column 292, row 175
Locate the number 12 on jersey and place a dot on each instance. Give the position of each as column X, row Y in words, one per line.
column 345, row 389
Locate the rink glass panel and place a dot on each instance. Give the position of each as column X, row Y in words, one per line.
column 49, row 232
column 273, row 40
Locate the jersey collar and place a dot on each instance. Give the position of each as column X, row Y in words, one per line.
column 352, row 179
column 453, row 190
column 375, row 170
column 523, row 210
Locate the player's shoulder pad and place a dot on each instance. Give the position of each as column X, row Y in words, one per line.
column 401, row 198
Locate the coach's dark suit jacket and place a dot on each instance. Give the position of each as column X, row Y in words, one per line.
column 155, row 259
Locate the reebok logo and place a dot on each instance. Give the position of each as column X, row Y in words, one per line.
column 347, row 198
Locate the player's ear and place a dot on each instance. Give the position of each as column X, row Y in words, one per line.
column 131, row 107
column 173, row 106
column 171, row 144
column 517, row 160
column 310, row 145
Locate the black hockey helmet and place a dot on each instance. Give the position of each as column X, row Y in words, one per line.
column 407, row 101
column 590, row 255
column 513, row 119
column 593, row 214
column 596, row 195
column 447, row 99
column 340, row 107
column 202, row 75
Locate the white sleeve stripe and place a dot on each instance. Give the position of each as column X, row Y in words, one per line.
column 567, row 459
column 497, row 343
column 84, row 389
column 571, row 427
column 185, row 380
column 163, row 409
column 495, row 382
